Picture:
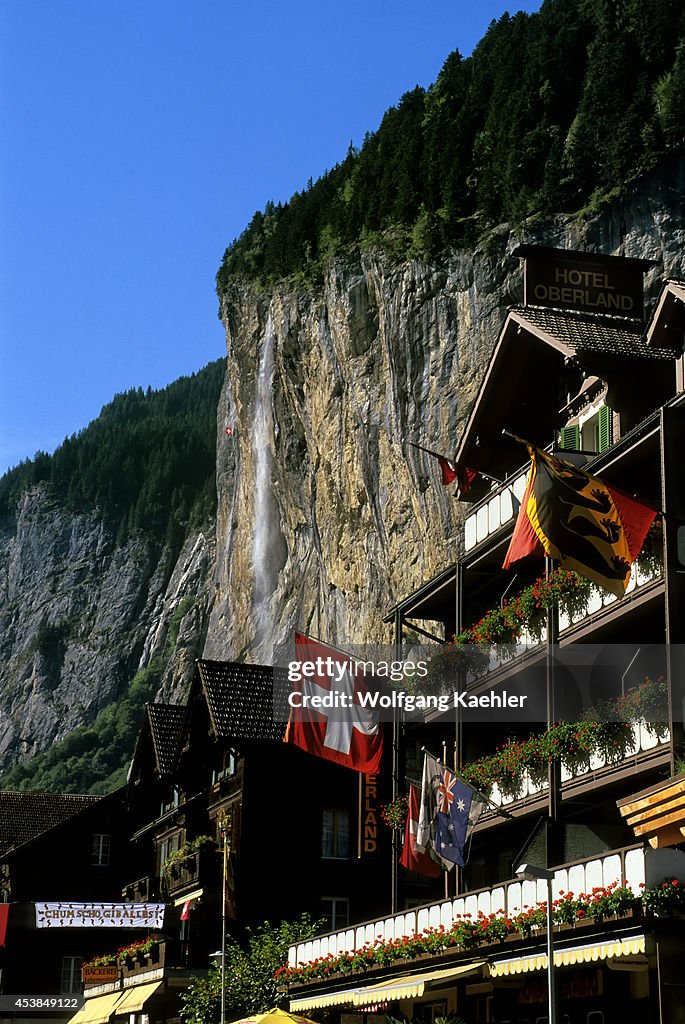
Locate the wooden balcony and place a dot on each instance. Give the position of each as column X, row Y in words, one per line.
column 509, row 897
column 647, row 750
column 142, row 890
column 194, row 871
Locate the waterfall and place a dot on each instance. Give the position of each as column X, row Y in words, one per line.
column 266, row 532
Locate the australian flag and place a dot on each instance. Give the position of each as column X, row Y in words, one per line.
column 449, row 810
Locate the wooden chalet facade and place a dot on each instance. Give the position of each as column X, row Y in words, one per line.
column 65, row 849
column 216, row 765
column 606, row 390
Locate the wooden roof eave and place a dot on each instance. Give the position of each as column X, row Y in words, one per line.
column 513, row 325
column 660, row 333
column 657, row 814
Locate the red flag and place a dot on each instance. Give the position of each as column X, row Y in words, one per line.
column 411, row 858
column 524, row 540
column 326, row 715
column 185, row 912
column 4, row 914
column 451, row 471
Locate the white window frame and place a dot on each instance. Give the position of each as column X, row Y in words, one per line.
column 71, row 974
column 101, row 849
column 343, row 901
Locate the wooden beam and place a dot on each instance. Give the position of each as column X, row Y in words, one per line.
column 677, row 818
column 667, row 837
column 661, row 808
column 654, row 798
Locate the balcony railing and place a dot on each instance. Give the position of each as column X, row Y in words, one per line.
column 197, row 869
column 646, row 741
column 494, row 511
column 142, row 890
column 509, row 897
column 640, row 576
column 184, row 874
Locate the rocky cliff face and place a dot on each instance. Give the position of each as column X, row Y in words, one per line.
column 326, row 516
column 79, row 616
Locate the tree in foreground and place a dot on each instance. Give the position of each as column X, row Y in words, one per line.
column 250, row 981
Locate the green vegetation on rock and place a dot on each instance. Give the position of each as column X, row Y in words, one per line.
column 551, row 113
column 93, row 758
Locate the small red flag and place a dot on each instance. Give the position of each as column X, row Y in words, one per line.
column 451, row 471
column 411, row 858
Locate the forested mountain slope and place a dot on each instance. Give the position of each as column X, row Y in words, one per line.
column 552, row 112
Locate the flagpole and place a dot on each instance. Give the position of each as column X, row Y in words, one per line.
column 467, row 782
column 224, row 833
column 394, row 872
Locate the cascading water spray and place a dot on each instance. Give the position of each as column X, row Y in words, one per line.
column 266, row 529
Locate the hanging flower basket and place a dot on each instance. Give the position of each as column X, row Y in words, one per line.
column 395, row 813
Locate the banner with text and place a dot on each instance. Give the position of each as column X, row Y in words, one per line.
column 99, row 915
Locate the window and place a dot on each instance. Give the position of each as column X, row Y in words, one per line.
column 227, row 767
column 100, row 851
column 429, row 1012
column 335, row 834
column 71, row 974
column 171, row 800
column 595, row 430
column 169, row 845
column 592, row 432
column 335, row 911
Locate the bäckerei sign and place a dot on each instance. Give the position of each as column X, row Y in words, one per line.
column 99, row 915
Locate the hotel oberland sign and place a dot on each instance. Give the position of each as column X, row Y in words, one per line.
column 99, row 915
column 583, row 281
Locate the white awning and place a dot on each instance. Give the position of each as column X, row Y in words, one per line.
column 182, row 900
column 326, row 999
column 585, row 954
column 407, row 986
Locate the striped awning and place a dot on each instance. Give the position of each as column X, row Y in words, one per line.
column 407, row 986
column 97, row 1010
column 319, row 1002
column 410, row 986
column 135, row 997
column 586, row 954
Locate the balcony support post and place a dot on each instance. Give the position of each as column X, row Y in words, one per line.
column 554, row 769
column 672, row 434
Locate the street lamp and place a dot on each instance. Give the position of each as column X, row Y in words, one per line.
column 533, row 874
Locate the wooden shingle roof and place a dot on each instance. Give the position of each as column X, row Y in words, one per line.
column 24, row 816
column 166, row 724
column 240, row 700
column 591, row 332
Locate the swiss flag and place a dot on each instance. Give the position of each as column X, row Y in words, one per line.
column 344, row 731
column 411, row 858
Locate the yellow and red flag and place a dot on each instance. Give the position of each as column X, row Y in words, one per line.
column 587, row 524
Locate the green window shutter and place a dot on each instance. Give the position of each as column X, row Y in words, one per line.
column 604, row 428
column 569, row 438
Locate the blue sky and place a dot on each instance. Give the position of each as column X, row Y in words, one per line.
column 138, row 140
